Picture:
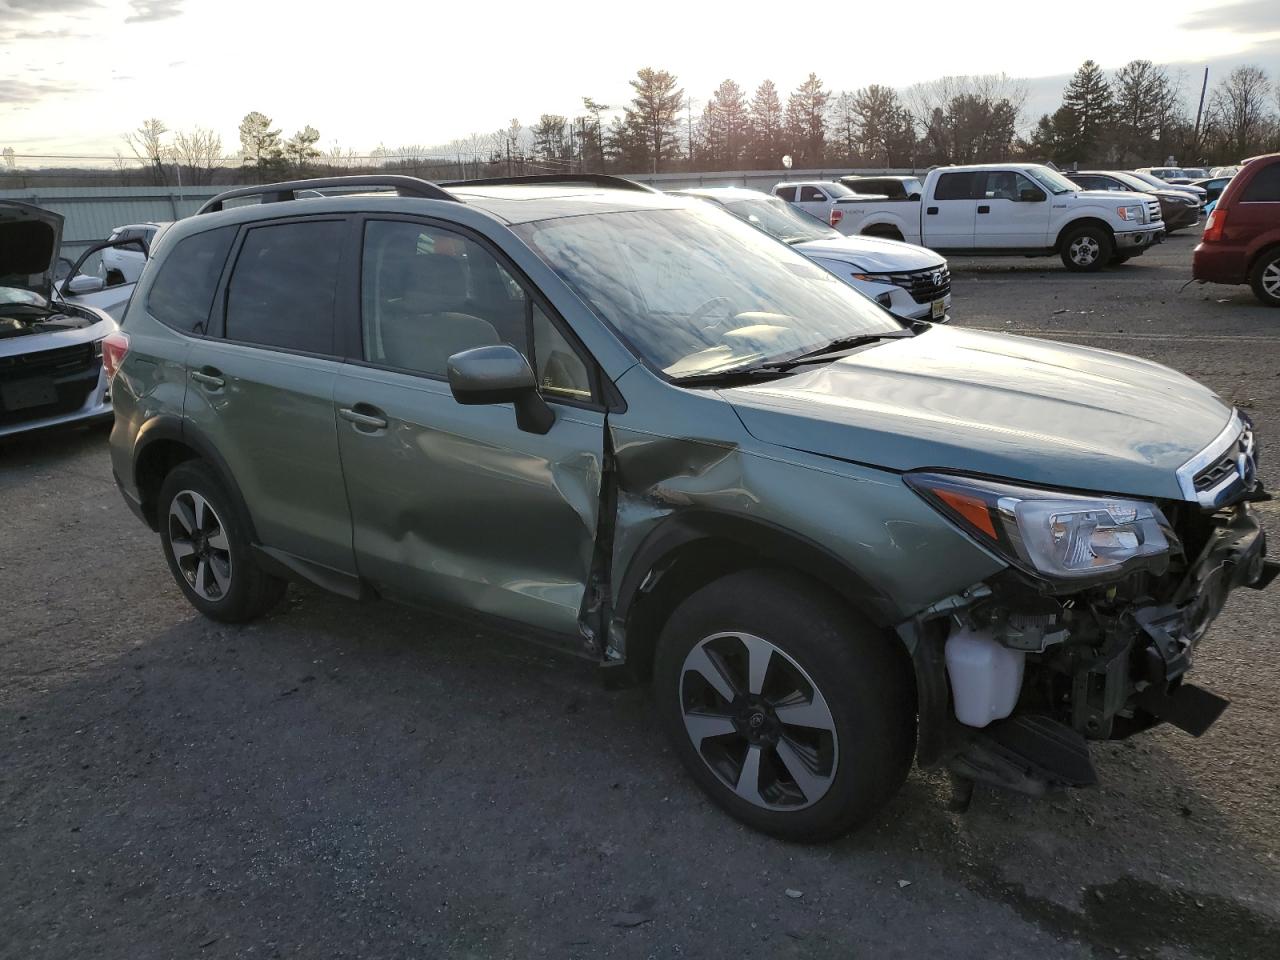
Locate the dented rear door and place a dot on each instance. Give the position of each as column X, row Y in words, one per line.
column 455, row 504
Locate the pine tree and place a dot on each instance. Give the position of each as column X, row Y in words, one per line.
column 724, row 127
column 653, row 115
column 765, row 119
column 1089, row 100
column 806, row 121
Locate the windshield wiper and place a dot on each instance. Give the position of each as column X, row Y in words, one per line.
column 770, row 369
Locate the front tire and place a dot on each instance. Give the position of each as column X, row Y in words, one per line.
column 1086, row 249
column 207, row 547
column 793, row 714
column 1265, row 278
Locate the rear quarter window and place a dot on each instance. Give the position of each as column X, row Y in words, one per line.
column 1264, row 187
column 182, row 293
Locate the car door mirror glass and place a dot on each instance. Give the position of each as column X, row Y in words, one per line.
column 500, row 374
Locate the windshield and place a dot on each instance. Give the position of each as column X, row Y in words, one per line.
column 1051, row 180
column 1133, row 182
column 696, row 290
column 1149, row 180
column 781, row 220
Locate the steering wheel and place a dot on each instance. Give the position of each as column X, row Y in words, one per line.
column 707, row 306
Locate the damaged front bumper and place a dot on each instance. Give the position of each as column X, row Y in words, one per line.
column 1104, row 664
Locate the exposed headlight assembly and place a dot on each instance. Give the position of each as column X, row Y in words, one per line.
column 1131, row 213
column 1055, row 536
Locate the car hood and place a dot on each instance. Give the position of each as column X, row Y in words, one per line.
column 987, row 403
column 872, row 255
column 29, row 242
column 1121, row 196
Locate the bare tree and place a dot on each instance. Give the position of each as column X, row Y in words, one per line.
column 11, row 158
column 198, row 153
column 147, row 144
column 1238, row 109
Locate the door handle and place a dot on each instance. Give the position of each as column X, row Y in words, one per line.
column 209, row 377
column 365, row 421
column 984, row 209
column 932, row 211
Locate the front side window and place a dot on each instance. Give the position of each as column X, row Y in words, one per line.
column 182, row 293
column 695, row 290
column 427, row 293
column 812, row 195
column 284, row 285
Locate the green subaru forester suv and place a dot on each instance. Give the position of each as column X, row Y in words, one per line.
column 634, row 426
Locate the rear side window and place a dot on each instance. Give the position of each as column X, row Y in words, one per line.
column 786, row 193
column 1264, row 187
column 284, row 284
column 954, row 186
column 183, row 291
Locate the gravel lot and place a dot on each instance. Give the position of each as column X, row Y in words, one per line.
column 346, row 780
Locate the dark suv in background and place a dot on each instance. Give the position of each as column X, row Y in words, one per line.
column 1241, row 241
column 635, row 426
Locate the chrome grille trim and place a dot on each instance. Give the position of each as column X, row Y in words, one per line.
column 1212, row 475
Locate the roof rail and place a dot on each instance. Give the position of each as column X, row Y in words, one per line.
column 593, row 179
column 288, row 190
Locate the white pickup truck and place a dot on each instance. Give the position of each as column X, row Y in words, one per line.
column 1003, row 209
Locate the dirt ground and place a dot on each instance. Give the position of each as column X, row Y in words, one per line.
column 360, row 780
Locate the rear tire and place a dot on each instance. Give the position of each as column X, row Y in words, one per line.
column 1086, row 249
column 1265, row 278
column 206, row 544
column 815, row 690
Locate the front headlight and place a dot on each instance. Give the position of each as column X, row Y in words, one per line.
column 1053, row 535
column 1131, row 213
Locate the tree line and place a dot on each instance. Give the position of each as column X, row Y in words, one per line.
column 1138, row 115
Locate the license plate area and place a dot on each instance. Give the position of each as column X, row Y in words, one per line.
column 25, row 394
column 938, row 309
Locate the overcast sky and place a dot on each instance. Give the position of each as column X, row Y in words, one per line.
column 75, row 74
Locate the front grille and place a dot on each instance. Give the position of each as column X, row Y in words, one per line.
column 1239, row 462
column 925, row 286
column 73, row 370
column 1153, row 211
column 48, row 363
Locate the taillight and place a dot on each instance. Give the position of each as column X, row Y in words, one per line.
column 1215, row 226
column 114, row 348
column 836, row 215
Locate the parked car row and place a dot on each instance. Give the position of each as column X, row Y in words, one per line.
column 994, row 210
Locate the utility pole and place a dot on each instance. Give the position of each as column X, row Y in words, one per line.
column 1195, row 139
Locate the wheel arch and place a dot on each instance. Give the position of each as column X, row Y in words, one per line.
column 886, row 229
column 1272, row 245
column 162, row 444
column 1077, row 224
column 687, row 551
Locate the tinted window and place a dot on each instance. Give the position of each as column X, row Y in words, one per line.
column 283, row 286
column 954, row 186
column 183, row 291
column 1006, row 185
column 787, row 193
column 811, row 195
column 427, row 294
column 1264, row 187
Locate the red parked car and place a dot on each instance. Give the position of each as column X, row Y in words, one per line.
column 1241, row 242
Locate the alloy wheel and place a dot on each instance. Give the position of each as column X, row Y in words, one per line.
column 1271, row 279
column 758, row 721
column 1085, row 250
column 200, row 546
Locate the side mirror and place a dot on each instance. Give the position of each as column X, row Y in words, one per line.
column 500, row 374
column 83, row 283
column 1031, row 195
column 914, row 196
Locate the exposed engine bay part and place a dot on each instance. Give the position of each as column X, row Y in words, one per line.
column 1031, row 676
